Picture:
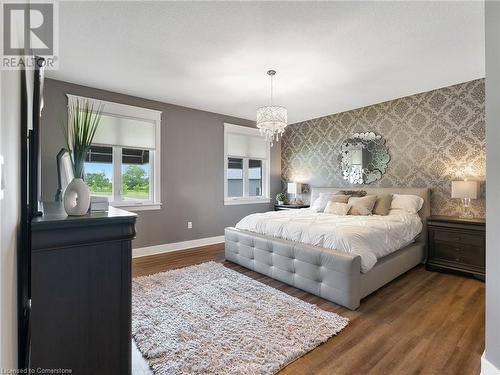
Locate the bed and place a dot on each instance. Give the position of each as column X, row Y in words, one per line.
column 341, row 277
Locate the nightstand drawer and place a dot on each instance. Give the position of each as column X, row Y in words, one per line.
column 458, row 238
column 459, row 253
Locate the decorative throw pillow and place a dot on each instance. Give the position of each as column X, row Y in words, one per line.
column 382, row 205
column 362, row 205
column 352, row 193
column 407, row 202
column 319, row 203
column 337, row 208
column 339, row 198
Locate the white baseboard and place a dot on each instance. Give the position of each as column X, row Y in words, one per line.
column 175, row 246
column 488, row 368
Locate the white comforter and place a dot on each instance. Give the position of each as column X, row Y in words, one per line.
column 370, row 237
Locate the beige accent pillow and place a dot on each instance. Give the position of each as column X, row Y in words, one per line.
column 362, row 206
column 339, row 198
column 337, row 208
column 382, row 205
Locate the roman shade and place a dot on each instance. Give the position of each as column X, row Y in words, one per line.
column 246, row 146
column 126, row 132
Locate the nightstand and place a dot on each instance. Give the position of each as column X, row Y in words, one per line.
column 278, row 207
column 456, row 244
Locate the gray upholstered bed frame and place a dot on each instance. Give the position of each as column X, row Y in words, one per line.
column 331, row 274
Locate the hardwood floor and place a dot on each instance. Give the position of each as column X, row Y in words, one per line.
column 421, row 323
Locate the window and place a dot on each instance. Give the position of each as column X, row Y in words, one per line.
column 99, row 171
column 123, row 162
column 235, row 177
column 136, row 173
column 255, row 178
column 246, row 166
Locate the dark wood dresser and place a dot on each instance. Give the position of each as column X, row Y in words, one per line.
column 81, row 291
column 456, row 244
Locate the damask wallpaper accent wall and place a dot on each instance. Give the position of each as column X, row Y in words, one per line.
column 433, row 138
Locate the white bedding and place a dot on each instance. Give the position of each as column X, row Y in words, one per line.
column 370, row 237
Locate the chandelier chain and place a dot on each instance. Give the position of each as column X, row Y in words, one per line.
column 272, row 76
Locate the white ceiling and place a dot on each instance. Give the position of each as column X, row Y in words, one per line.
column 330, row 56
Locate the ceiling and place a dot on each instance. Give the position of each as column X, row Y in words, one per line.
column 329, row 56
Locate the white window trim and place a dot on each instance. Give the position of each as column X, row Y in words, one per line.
column 129, row 111
column 266, row 169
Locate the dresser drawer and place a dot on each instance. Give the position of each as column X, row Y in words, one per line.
column 459, row 253
column 476, row 239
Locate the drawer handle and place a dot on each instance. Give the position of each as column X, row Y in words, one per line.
column 458, row 238
column 457, row 259
column 457, row 249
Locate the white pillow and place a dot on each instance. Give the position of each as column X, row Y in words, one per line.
column 320, row 203
column 337, row 208
column 406, row 202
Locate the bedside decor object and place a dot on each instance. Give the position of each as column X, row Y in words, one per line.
column 466, row 190
column 456, row 244
column 83, row 119
column 295, row 189
column 281, row 198
column 271, row 119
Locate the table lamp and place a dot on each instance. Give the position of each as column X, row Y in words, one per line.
column 294, row 188
column 466, row 190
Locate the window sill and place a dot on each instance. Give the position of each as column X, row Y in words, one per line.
column 231, row 202
column 136, row 206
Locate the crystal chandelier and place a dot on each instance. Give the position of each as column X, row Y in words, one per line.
column 271, row 119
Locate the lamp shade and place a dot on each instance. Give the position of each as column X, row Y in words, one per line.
column 294, row 188
column 464, row 189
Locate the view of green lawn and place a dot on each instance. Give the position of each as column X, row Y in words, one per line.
column 136, row 194
column 135, row 183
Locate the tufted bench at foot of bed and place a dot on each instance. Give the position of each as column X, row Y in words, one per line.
column 327, row 273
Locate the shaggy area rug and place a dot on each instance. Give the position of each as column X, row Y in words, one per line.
column 208, row 319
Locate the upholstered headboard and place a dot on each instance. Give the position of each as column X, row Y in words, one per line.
column 425, row 193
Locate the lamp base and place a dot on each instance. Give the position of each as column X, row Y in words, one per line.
column 466, row 210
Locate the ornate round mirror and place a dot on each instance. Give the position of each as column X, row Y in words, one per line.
column 363, row 158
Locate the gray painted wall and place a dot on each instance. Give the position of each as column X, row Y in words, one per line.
column 192, row 166
column 492, row 12
column 9, row 215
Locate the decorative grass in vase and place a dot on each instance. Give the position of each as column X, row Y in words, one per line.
column 84, row 117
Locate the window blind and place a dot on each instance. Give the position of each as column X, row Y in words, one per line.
column 125, row 132
column 248, row 146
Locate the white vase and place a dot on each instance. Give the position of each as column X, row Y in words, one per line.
column 77, row 198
